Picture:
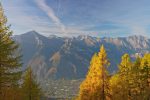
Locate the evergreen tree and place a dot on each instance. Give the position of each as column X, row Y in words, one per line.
column 95, row 86
column 31, row 88
column 9, row 57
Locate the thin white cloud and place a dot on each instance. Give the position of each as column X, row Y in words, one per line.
column 26, row 22
column 51, row 14
column 138, row 30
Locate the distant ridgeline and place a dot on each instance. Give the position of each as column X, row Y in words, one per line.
column 69, row 58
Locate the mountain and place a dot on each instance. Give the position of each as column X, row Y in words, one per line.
column 69, row 58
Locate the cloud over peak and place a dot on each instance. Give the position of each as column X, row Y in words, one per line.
column 51, row 14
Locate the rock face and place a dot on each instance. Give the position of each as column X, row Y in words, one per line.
column 62, row 57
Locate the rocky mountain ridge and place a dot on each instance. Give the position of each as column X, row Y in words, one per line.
column 62, row 57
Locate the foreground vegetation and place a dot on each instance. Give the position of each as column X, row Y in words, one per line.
column 131, row 82
column 14, row 84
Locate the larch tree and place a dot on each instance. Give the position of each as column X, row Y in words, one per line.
column 95, row 86
column 115, row 87
column 132, row 81
column 30, row 87
column 125, row 76
column 136, row 74
column 145, row 76
column 124, row 83
column 10, row 58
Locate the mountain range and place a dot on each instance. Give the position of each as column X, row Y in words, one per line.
column 69, row 57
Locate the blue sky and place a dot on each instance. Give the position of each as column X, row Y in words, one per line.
column 111, row 18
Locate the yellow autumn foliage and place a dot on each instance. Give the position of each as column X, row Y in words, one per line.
column 95, row 86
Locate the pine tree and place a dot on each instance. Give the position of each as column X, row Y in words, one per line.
column 95, row 86
column 31, row 88
column 9, row 57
